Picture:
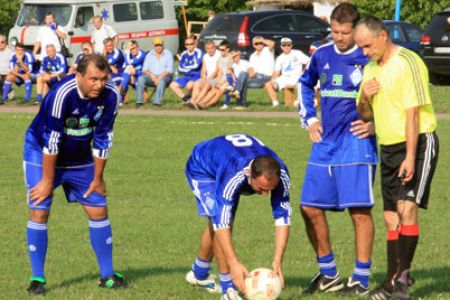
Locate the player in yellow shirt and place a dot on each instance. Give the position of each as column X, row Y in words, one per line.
column 395, row 93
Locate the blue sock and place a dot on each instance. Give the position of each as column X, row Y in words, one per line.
column 201, row 268
column 101, row 241
column 327, row 265
column 226, row 282
column 361, row 272
column 37, row 241
column 39, row 98
column 6, row 89
column 125, row 81
column 28, row 90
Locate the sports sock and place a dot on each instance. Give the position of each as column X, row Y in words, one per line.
column 37, row 241
column 327, row 265
column 361, row 272
column 186, row 98
column 226, row 282
column 101, row 241
column 407, row 243
column 28, row 90
column 392, row 258
column 201, row 268
column 39, row 98
column 6, row 89
column 125, row 81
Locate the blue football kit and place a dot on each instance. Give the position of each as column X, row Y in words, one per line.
column 341, row 167
column 116, row 60
column 190, row 67
column 55, row 65
column 28, row 61
column 67, row 124
column 137, row 62
column 218, row 174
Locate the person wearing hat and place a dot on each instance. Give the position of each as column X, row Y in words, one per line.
column 157, row 71
column 260, row 70
column 288, row 66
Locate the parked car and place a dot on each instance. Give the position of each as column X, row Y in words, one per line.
column 239, row 29
column 436, row 46
column 404, row 34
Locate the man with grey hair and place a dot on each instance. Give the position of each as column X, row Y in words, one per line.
column 395, row 93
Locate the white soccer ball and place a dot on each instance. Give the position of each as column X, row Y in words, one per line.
column 262, row 284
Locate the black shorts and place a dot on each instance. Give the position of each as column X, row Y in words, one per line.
column 418, row 189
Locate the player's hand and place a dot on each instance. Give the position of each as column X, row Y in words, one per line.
column 362, row 129
column 238, row 273
column 276, row 266
column 41, row 191
column 315, row 132
column 98, row 186
column 406, row 170
column 370, row 88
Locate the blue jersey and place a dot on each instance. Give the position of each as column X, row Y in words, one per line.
column 191, row 64
column 27, row 59
column 340, row 75
column 226, row 160
column 136, row 61
column 67, row 124
column 55, row 65
column 115, row 59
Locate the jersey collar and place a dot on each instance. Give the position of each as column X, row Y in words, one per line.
column 349, row 51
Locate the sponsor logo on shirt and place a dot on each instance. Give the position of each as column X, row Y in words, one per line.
column 338, row 93
column 337, row 79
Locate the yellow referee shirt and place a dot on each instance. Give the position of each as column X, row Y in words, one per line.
column 404, row 84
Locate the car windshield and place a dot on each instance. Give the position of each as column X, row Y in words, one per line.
column 34, row 15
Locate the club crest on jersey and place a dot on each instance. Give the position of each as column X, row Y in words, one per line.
column 356, row 76
column 99, row 113
column 84, row 122
column 72, row 122
column 337, row 79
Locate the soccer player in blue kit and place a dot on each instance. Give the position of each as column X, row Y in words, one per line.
column 219, row 171
column 78, row 111
column 343, row 158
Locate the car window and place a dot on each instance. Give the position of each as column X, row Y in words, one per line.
column 413, row 33
column 395, row 33
column 308, row 25
column 125, row 12
column 151, row 10
column 439, row 24
column 280, row 23
column 224, row 24
column 84, row 16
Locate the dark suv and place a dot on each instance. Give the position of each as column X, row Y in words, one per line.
column 435, row 48
column 239, row 29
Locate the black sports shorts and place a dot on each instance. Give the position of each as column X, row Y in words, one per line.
column 418, row 189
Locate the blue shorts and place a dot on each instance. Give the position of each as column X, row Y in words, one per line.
column 116, row 78
column 75, row 182
column 183, row 81
column 338, row 187
column 19, row 81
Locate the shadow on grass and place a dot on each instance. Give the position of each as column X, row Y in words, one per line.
column 130, row 274
column 438, row 281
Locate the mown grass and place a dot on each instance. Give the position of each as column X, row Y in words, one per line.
column 156, row 228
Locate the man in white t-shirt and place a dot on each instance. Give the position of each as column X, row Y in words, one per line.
column 289, row 66
column 260, row 70
column 208, row 77
column 100, row 33
column 5, row 53
column 49, row 34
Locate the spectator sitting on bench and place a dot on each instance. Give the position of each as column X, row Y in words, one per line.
column 289, row 67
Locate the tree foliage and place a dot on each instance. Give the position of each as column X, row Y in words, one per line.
column 8, row 13
column 417, row 12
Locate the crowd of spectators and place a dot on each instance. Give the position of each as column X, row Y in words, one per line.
column 201, row 79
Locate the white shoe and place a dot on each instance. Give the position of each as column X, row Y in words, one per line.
column 295, row 103
column 209, row 284
column 11, row 95
column 224, row 107
column 231, row 294
column 275, row 103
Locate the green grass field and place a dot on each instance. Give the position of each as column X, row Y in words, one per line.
column 257, row 100
column 156, row 228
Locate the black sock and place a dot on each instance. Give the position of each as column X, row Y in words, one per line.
column 392, row 259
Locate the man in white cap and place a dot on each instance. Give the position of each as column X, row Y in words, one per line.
column 289, row 66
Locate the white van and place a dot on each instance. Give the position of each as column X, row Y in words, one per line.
column 140, row 20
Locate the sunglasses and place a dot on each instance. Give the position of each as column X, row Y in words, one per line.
column 286, row 45
column 258, row 43
column 86, row 49
column 222, row 49
column 190, row 44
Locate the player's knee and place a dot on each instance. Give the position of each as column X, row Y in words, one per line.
column 311, row 213
column 361, row 216
column 39, row 216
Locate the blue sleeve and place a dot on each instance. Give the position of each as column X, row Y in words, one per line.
column 43, row 68
column 182, row 65
column 281, row 207
column 62, row 64
column 12, row 61
column 55, row 110
column 307, row 92
column 29, row 61
column 103, row 134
